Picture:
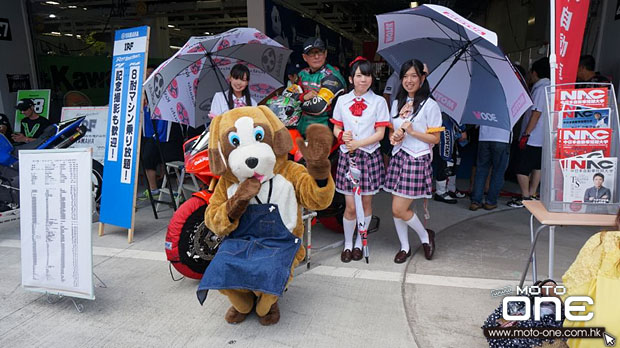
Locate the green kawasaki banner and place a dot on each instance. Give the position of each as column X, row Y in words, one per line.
column 78, row 81
column 41, row 99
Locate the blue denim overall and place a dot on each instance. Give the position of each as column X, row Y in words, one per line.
column 257, row 256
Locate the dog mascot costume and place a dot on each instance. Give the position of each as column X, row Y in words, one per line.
column 257, row 207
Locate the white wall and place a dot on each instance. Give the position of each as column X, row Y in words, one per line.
column 16, row 56
column 608, row 51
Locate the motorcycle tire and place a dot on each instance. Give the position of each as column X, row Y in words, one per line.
column 97, row 181
column 180, row 238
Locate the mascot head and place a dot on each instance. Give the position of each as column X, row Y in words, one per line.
column 248, row 142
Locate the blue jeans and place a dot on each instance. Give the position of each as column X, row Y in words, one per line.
column 490, row 154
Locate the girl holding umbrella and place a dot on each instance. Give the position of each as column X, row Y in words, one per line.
column 237, row 95
column 416, row 119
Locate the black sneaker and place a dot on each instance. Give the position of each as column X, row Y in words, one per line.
column 445, row 198
column 457, row 194
column 516, row 203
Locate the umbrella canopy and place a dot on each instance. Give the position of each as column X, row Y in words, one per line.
column 473, row 81
column 182, row 87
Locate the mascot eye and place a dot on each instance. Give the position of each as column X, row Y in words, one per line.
column 259, row 133
column 233, row 138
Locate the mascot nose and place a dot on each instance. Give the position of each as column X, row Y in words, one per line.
column 252, row 162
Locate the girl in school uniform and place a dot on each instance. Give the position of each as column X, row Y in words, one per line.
column 409, row 172
column 237, row 95
column 359, row 119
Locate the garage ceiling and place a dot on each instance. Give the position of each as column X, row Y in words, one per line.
column 74, row 20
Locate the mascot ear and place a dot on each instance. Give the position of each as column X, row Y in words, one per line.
column 217, row 164
column 282, row 142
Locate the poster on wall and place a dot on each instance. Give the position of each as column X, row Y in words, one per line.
column 55, row 225
column 17, row 82
column 96, row 122
column 41, row 99
column 290, row 29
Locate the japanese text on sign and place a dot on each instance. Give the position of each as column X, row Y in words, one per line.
column 117, row 102
column 130, row 122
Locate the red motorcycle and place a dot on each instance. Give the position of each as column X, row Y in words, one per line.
column 190, row 245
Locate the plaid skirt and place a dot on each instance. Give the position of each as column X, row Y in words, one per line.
column 371, row 166
column 409, row 177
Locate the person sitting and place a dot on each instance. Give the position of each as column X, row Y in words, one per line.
column 32, row 124
column 596, row 273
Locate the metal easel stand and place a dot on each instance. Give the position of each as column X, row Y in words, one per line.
column 79, row 307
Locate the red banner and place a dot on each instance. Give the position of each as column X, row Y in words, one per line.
column 570, row 22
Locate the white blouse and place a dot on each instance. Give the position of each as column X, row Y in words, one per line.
column 428, row 117
column 375, row 115
column 220, row 106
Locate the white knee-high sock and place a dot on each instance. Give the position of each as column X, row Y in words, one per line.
column 358, row 240
column 417, row 226
column 452, row 183
column 349, row 229
column 440, row 187
column 403, row 233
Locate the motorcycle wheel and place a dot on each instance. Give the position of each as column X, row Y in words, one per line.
column 97, row 180
column 186, row 224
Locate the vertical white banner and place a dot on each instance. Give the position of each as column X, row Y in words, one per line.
column 130, row 123
column 55, row 202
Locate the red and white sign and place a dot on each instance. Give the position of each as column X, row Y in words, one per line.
column 578, row 141
column 570, row 21
column 571, row 98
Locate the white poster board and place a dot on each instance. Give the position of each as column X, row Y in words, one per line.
column 55, row 198
column 96, row 120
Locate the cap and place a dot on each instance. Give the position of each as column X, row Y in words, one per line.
column 313, row 42
column 24, row 104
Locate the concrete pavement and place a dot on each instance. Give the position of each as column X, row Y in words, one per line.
column 438, row 303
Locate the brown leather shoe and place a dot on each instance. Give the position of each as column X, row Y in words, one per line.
column 272, row 317
column 429, row 248
column 489, row 206
column 346, row 256
column 402, row 256
column 233, row 316
column 357, row 254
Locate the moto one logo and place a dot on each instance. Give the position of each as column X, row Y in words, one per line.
column 485, row 116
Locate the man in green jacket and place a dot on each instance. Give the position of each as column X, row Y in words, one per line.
column 321, row 84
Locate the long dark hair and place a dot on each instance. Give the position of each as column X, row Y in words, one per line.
column 421, row 94
column 239, row 72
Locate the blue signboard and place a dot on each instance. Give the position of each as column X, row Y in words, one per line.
column 123, row 134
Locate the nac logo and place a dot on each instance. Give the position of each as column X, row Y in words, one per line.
column 485, row 116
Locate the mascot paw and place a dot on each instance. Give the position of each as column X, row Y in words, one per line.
column 272, row 317
column 237, row 204
column 233, row 316
column 316, row 153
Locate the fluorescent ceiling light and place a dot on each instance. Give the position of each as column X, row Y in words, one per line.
column 207, row 33
column 55, row 33
column 531, row 21
column 170, row 26
column 175, row 47
column 68, row 34
column 52, row 3
column 84, row 8
column 177, row 29
column 72, row 6
column 52, row 15
column 413, row 4
column 78, row 36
